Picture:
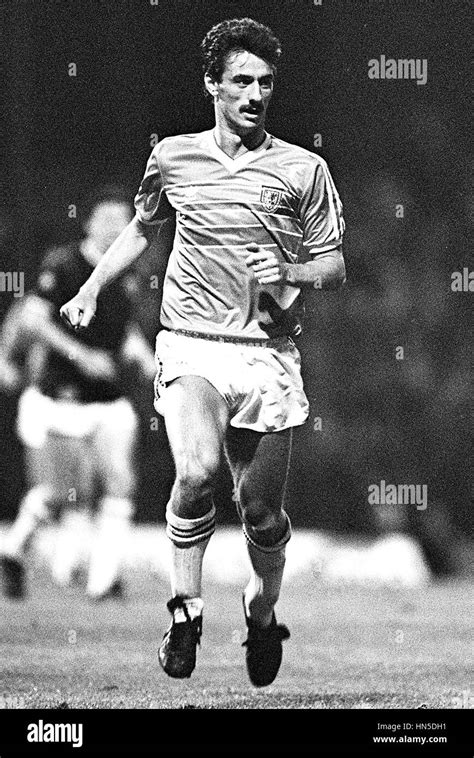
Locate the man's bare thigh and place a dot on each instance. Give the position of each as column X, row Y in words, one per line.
column 196, row 417
column 259, row 464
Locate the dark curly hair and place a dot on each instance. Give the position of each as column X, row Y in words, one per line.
column 237, row 34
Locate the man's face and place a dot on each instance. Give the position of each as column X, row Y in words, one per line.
column 245, row 91
column 106, row 222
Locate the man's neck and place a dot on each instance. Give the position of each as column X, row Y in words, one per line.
column 233, row 144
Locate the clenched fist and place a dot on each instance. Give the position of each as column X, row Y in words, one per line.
column 266, row 266
column 80, row 311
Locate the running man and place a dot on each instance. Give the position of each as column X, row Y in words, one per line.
column 248, row 206
column 77, row 427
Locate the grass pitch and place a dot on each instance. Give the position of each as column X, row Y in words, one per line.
column 350, row 647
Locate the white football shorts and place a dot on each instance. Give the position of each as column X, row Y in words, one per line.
column 39, row 415
column 261, row 385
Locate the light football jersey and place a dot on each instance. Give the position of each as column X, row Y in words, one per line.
column 280, row 196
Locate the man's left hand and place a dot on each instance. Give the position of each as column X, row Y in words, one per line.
column 266, row 266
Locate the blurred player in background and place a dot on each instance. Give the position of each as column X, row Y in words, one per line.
column 247, row 206
column 77, row 427
column 21, row 360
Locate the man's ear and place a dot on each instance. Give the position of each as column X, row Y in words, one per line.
column 210, row 85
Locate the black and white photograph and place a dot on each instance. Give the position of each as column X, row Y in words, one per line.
column 236, row 377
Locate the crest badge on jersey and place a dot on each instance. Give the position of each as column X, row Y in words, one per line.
column 270, row 198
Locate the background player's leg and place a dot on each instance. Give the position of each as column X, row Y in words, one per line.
column 196, row 417
column 71, row 555
column 259, row 465
column 55, row 469
column 114, row 446
column 32, row 425
column 62, row 470
column 75, row 456
column 33, row 511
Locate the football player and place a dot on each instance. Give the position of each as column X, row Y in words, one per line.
column 258, row 224
column 77, row 427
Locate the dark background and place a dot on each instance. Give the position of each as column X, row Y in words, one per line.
column 387, row 143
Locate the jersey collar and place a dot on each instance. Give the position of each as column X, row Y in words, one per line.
column 233, row 165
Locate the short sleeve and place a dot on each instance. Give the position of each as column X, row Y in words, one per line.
column 151, row 204
column 321, row 212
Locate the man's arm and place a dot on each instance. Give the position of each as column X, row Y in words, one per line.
column 38, row 323
column 135, row 349
column 12, row 339
column 128, row 246
column 320, row 214
column 326, row 272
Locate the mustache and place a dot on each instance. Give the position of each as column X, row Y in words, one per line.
column 252, row 109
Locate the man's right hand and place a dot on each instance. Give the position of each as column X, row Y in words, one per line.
column 80, row 311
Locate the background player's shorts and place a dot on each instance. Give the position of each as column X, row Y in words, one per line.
column 40, row 415
column 79, row 443
column 262, row 386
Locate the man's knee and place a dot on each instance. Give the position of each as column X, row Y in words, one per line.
column 255, row 508
column 260, row 515
column 265, row 526
column 196, row 474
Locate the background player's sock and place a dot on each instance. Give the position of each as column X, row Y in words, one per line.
column 72, row 549
column 34, row 512
column 268, row 563
column 189, row 540
column 109, row 545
